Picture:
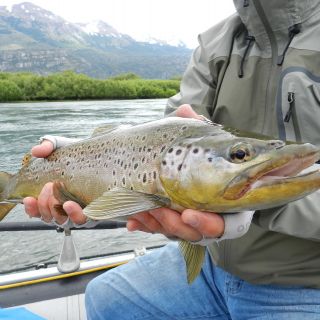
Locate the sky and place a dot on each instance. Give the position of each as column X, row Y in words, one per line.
column 164, row 20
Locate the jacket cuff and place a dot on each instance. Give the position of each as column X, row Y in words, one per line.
column 58, row 141
column 235, row 226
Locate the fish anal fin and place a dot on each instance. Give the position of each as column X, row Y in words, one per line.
column 122, row 202
column 63, row 195
column 194, row 258
column 59, row 209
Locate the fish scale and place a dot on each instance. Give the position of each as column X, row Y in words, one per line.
column 173, row 162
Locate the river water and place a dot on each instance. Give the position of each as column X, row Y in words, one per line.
column 21, row 125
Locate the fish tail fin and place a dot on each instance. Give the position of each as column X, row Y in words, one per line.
column 194, row 257
column 4, row 207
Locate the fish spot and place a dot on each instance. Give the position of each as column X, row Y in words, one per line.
column 149, row 149
column 179, row 166
column 162, row 149
column 135, row 166
column 154, row 155
column 210, row 159
column 170, row 150
column 143, row 159
column 131, row 188
column 178, row 152
column 144, row 178
column 164, row 162
column 196, row 150
column 113, row 172
column 124, row 181
column 154, row 175
column 165, row 136
column 184, row 128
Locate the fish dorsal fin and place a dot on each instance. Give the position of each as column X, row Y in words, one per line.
column 109, row 128
column 193, row 255
column 103, row 130
column 122, row 202
column 26, row 159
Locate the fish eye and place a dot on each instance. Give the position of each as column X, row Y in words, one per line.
column 241, row 152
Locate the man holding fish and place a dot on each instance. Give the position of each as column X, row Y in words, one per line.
column 257, row 71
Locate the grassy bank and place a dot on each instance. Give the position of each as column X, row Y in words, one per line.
column 71, row 86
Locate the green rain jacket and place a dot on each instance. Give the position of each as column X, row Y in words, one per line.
column 259, row 70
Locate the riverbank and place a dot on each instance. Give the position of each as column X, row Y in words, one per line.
column 15, row 87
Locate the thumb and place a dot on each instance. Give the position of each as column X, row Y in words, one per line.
column 42, row 150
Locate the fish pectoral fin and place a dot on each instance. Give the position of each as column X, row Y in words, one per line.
column 122, row 202
column 63, row 195
column 193, row 255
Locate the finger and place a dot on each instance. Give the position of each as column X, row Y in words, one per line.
column 31, row 207
column 43, row 202
column 208, row 224
column 75, row 212
column 42, row 150
column 173, row 225
column 149, row 222
column 135, row 225
column 186, row 111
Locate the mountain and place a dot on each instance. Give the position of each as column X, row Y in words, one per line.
column 34, row 39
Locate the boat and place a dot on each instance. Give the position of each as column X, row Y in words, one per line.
column 47, row 292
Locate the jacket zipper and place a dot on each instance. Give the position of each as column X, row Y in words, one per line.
column 274, row 72
column 292, row 102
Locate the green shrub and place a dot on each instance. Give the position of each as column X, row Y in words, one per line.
column 72, row 86
column 9, row 91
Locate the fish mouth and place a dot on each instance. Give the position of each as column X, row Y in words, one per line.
column 283, row 169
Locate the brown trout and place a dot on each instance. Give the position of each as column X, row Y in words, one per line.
column 174, row 162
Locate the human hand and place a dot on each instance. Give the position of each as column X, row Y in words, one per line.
column 44, row 206
column 189, row 225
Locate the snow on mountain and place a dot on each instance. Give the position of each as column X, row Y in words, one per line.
column 99, row 28
column 175, row 42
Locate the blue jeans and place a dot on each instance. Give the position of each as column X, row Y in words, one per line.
column 154, row 286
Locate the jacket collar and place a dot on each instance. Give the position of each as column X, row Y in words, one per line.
column 267, row 19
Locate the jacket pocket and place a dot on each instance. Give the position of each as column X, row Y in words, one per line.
column 298, row 106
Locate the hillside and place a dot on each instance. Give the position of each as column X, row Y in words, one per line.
column 34, row 39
